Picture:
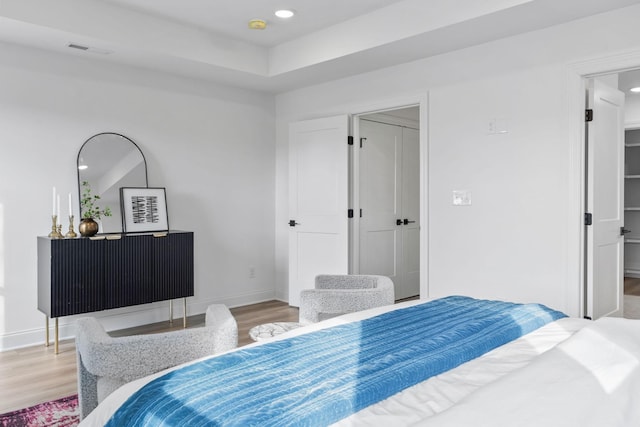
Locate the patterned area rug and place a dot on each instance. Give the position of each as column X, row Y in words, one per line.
column 56, row 413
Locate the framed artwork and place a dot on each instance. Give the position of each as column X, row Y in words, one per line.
column 143, row 209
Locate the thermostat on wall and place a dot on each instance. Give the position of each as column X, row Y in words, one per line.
column 461, row 197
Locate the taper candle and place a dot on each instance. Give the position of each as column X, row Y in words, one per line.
column 58, row 205
column 70, row 207
column 53, row 202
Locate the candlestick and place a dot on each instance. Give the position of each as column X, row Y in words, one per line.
column 55, row 233
column 71, row 233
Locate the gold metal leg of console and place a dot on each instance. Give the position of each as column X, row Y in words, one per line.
column 56, row 337
column 184, row 313
column 46, row 331
column 171, row 312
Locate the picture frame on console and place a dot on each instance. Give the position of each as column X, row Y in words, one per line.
column 144, row 209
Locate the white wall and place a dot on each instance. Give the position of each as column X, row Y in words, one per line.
column 511, row 243
column 211, row 147
column 632, row 109
column 520, row 240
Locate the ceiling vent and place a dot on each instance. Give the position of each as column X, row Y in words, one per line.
column 77, row 46
column 89, row 49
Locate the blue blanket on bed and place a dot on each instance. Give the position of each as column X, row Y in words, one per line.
column 321, row 377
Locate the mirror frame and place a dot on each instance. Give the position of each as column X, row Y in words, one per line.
column 144, row 161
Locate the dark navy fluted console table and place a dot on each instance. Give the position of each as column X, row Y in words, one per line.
column 110, row 271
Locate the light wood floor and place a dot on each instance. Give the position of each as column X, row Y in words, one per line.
column 632, row 286
column 33, row 375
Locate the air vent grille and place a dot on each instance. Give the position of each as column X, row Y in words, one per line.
column 77, row 46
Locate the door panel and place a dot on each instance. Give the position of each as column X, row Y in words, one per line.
column 381, row 247
column 317, row 253
column 318, row 176
column 411, row 211
column 606, row 301
column 605, row 166
column 380, row 198
column 318, row 201
column 390, row 192
column 411, row 175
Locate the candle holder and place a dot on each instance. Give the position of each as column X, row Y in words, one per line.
column 55, row 230
column 71, row 233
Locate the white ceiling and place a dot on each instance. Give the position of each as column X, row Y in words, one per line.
column 229, row 18
column 327, row 39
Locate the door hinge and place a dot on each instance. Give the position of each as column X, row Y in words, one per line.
column 360, row 213
column 350, row 140
column 350, row 213
column 588, row 115
column 588, row 219
column 362, row 139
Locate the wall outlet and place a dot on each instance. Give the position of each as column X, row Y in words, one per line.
column 252, row 272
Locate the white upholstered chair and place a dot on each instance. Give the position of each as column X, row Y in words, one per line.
column 340, row 294
column 105, row 363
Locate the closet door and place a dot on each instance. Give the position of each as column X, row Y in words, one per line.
column 390, row 202
column 410, row 213
column 380, row 201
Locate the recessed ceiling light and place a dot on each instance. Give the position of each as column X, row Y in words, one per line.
column 257, row 24
column 635, row 89
column 284, row 13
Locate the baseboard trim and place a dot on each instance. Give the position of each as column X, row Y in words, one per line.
column 129, row 317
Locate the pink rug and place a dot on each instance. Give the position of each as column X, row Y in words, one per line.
column 56, row 413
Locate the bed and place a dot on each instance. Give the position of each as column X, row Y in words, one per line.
column 526, row 366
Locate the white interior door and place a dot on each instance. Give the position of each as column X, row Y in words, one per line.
column 318, row 201
column 380, row 200
column 390, row 200
column 410, row 213
column 605, row 201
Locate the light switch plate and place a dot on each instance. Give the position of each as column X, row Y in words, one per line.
column 461, row 198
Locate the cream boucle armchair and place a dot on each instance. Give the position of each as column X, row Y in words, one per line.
column 340, row 294
column 105, row 363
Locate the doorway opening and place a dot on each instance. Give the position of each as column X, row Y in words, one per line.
column 631, row 231
column 386, row 196
column 627, row 270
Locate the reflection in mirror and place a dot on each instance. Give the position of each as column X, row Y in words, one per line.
column 109, row 161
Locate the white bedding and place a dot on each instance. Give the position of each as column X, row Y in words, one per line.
column 462, row 386
column 590, row 380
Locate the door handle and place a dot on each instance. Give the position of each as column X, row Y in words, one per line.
column 624, row 231
column 398, row 222
column 406, row 221
column 293, row 223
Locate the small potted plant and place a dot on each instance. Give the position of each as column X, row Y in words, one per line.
column 90, row 211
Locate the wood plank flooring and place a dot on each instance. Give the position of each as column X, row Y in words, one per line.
column 33, row 375
column 632, row 286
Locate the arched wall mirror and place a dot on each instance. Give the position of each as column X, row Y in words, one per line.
column 108, row 161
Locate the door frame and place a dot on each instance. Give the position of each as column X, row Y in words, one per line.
column 577, row 76
column 420, row 101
